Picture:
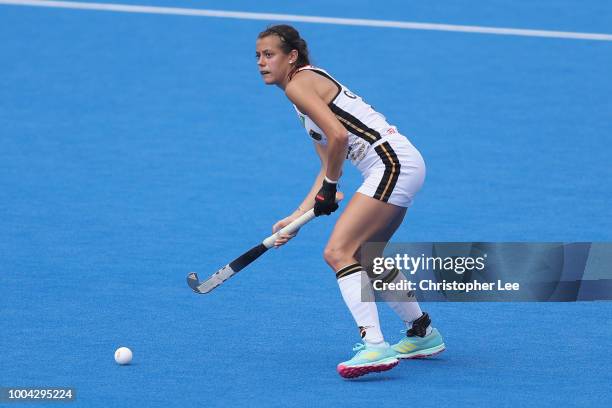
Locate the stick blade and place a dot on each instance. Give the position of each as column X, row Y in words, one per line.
column 193, row 282
column 209, row 284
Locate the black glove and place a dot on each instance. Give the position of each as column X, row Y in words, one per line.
column 325, row 201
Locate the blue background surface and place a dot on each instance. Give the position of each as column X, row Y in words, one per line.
column 136, row 148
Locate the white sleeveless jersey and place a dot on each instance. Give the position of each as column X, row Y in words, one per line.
column 365, row 126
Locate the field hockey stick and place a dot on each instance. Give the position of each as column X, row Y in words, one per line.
column 245, row 259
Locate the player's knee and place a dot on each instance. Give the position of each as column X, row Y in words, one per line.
column 335, row 257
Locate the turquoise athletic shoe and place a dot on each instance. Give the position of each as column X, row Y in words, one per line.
column 418, row 345
column 368, row 359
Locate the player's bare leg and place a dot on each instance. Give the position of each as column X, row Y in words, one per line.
column 363, row 218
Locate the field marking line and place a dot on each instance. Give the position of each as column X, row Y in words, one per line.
column 406, row 25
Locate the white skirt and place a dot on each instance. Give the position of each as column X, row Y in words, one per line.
column 393, row 171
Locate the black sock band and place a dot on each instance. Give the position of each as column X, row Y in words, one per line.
column 391, row 275
column 419, row 326
column 349, row 270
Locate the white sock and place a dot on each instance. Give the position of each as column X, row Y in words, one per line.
column 403, row 302
column 364, row 313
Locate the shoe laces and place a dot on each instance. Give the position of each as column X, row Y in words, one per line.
column 359, row 347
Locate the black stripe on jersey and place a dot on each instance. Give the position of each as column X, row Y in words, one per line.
column 350, row 122
column 349, row 270
column 326, row 76
column 354, row 125
column 391, row 174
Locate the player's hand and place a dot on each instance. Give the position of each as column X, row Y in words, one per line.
column 283, row 238
column 325, row 200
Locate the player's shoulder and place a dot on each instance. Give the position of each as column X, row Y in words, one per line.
column 306, row 80
column 301, row 81
column 301, row 78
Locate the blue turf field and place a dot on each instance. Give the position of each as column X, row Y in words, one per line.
column 135, row 148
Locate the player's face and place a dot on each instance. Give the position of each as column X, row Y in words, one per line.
column 272, row 62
